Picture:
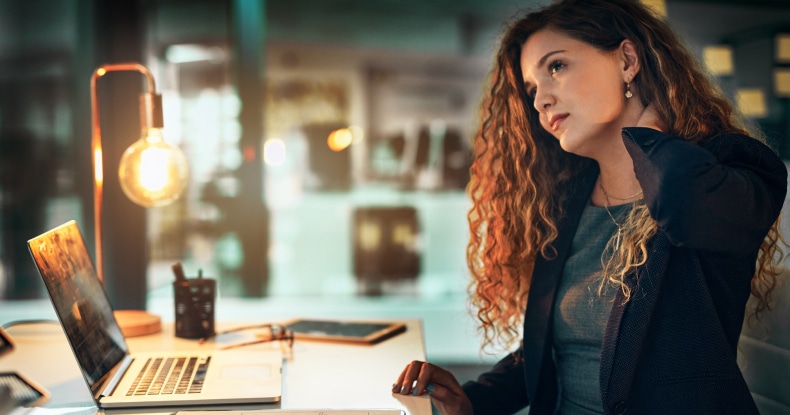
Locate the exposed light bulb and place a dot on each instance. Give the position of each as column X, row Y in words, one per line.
column 152, row 172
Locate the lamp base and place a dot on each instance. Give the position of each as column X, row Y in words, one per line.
column 137, row 322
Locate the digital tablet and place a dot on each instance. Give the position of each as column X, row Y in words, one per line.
column 22, row 391
column 353, row 331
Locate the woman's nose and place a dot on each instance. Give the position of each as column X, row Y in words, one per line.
column 543, row 100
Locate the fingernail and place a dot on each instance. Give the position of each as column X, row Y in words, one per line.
column 430, row 387
column 414, row 392
column 394, row 386
column 403, row 390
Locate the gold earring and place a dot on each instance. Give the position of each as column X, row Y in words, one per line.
column 628, row 93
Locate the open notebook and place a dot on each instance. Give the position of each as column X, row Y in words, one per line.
column 118, row 378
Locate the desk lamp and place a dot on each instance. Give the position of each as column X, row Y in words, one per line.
column 152, row 174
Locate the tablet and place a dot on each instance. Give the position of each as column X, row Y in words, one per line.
column 351, row 331
column 21, row 390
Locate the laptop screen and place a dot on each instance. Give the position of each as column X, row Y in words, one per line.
column 79, row 300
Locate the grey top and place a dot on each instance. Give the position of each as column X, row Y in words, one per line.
column 580, row 313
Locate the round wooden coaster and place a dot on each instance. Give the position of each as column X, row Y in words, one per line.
column 137, row 322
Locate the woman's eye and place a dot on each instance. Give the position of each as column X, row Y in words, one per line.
column 531, row 92
column 555, row 66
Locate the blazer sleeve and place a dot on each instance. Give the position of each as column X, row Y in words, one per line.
column 722, row 195
column 502, row 390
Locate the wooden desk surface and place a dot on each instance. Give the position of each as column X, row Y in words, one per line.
column 319, row 376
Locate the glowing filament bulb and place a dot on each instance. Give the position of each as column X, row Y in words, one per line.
column 152, row 172
column 153, row 169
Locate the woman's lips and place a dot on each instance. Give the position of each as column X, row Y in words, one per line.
column 554, row 122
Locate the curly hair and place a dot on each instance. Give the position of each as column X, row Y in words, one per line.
column 519, row 169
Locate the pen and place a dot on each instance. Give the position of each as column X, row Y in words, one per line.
column 178, row 270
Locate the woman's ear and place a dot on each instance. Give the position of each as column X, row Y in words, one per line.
column 630, row 59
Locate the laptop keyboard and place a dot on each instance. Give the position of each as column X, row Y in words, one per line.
column 170, row 376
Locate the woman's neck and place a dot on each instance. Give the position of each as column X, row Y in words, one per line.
column 617, row 183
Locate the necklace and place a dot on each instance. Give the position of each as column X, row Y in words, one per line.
column 618, row 236
column 607, row 195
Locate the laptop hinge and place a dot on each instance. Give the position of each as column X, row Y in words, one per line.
column 115, row 377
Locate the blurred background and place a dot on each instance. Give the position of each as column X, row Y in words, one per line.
column 328, row 140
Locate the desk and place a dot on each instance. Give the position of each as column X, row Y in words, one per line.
column 320, row 375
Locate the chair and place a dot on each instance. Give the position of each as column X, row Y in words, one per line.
column 764, row 353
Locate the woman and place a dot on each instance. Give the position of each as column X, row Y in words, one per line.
column 621, row 217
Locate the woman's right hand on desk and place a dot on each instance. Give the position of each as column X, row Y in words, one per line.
column 441, row 385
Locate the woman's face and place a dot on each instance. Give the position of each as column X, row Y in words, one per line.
column 579, row 91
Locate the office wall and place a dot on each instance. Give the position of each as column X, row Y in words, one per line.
column 398, row 74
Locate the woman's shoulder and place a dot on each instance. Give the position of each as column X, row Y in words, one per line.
column 741, row 146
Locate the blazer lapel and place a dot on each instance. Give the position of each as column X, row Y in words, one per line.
column 620, row 354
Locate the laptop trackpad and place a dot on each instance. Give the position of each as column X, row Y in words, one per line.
column 245, row 372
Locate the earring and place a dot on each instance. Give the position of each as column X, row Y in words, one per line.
column 628, row 93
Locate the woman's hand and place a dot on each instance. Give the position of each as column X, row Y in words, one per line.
column 444, row 389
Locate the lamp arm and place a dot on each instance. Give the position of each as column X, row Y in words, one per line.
column 96, row 148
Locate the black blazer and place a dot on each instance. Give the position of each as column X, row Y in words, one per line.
column 672, row 348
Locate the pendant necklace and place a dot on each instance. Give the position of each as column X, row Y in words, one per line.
column 618, row 236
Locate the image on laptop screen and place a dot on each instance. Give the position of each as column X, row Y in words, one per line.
column 79, row 299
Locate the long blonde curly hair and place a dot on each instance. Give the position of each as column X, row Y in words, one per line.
column 519, row 168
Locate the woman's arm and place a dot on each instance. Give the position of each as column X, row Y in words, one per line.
column 502, row 390
column 722, row 195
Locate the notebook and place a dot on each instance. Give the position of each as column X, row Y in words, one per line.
column 120, row 379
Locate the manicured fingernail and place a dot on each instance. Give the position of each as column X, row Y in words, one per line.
column 414, row 392
column 394, row 386
column 430, row 387
column 403, row 390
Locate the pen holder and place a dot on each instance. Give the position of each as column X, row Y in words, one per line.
column 194, row 306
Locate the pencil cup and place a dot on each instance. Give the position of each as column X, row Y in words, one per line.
column 194, row 306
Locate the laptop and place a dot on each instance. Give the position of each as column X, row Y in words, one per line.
column 120, row 379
